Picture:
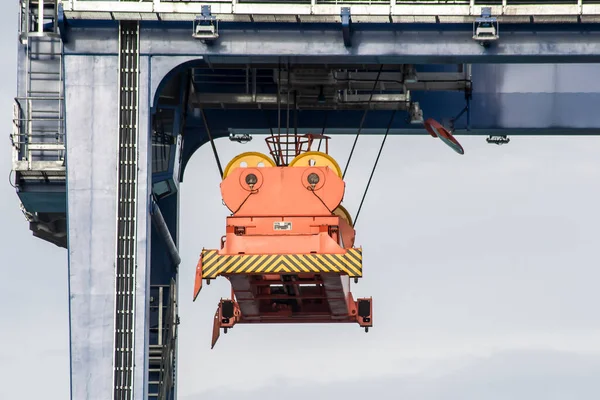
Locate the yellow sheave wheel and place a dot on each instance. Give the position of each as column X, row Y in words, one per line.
column 248, row 159
column 316, row 159
column 341, row 212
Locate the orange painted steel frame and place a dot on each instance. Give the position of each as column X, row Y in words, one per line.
column 436, row 129
column 285, row 211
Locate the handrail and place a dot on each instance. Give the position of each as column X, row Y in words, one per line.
column 508, row 9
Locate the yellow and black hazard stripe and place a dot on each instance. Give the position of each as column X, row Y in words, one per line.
column 214, row 264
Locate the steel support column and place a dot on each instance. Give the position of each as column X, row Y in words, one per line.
column 92, row 195
column 108, row 250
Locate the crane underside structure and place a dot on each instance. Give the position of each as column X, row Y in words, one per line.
column 114, row 97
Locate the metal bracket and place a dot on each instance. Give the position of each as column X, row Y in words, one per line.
column 206, row 26
column 450, row 123
column 346, row 26
column 240, row 137
column 485, row 28
column 63, row 26
column 466, row 109
column 498, row 139
column 415, row 114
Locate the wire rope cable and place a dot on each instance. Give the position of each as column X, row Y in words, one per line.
column 362, row 121
column 212, row 142
column 375, row 166
column 323, row 131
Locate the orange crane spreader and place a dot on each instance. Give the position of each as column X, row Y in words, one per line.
column 288, row 249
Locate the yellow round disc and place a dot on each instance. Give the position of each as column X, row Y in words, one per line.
column 341, row 212
column 248, row 159
column 316, row 159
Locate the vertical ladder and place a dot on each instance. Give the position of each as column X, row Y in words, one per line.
column 162, row 344
column 126, row 262
column 167, row 378
column 38, row 129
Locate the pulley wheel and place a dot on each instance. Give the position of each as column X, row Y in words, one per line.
column 316, row 159
column 341, row 212
column 250, row 159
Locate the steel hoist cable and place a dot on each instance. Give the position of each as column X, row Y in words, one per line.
column 323, row 131
column 375, row 166
column 212, row 142
column 362, row 121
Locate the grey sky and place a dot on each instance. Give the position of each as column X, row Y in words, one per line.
column 484, row 262
column 483, row 269
column 34, row 359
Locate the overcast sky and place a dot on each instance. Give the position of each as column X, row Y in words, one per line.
column 483, row 268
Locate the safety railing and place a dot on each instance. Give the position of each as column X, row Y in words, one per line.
column 36, row 150
column 38, row 18
column 38, row 137
column 370, row 10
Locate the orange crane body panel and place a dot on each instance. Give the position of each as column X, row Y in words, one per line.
column 282, row 191
column 288, row 257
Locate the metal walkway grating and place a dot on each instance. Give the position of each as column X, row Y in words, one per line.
column 126, row 211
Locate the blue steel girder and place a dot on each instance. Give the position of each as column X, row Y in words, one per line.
column 417, row 46
column 385, row 43
column 63, row 26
